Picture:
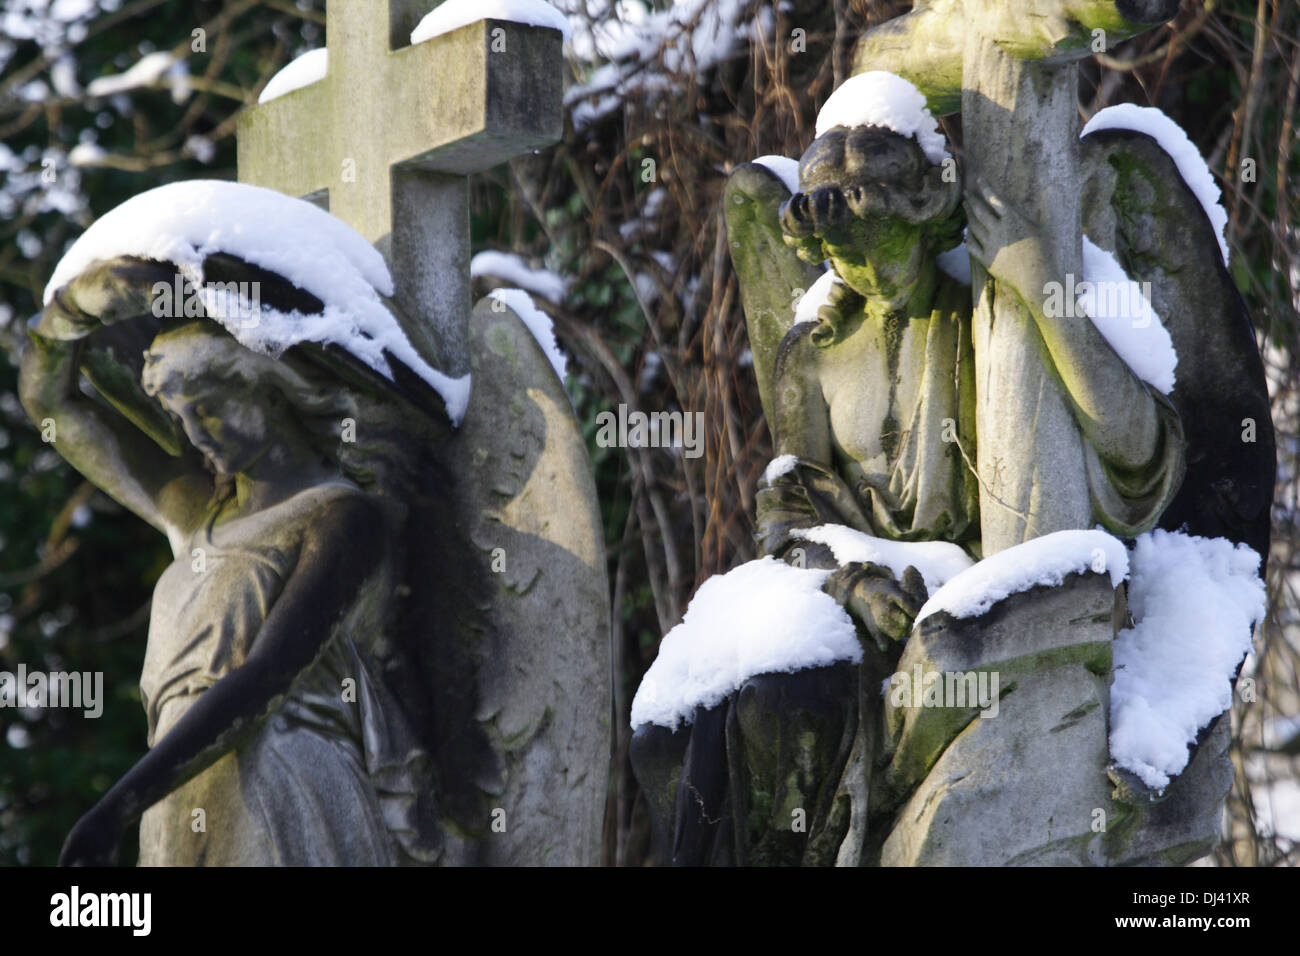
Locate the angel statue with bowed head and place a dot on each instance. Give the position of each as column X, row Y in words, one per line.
column 313, row 675
column 856, row 287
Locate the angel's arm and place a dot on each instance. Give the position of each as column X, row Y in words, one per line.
column 169, row 493
column 340, row 550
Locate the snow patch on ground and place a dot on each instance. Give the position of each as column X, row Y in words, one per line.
column 881, row 98
column 1196, row 602
column 938, row 561
column 760, row 618
column 1172, row 139
column 538, row 322
column 1041, row 561
column 302, row 71
column 512, row 268
column 455, row 14
column 1125, row 318
column 187, row 221
column 785, row 169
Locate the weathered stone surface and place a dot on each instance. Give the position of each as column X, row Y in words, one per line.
column 543, row 677
column 1026, row 781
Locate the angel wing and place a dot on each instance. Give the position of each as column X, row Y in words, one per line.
column 1137, row 206
column 525, row 500
column 772, row 277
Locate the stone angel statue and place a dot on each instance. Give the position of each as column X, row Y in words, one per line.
column 323, row 681
column 870, row 387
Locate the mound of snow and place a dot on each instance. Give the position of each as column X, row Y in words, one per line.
column 513, row 268
column 763, row 617
column 1191, row 165
column 186, row 222
column 881, row 98
column 1041, row 561
column 1196, row 602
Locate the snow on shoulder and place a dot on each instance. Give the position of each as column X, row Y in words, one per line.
column 302, row 71
column 1048, row 560
column 538, row 322
column 763, row 617
column 455, row 14
column 818, row 294
column 1196, row 602
column 185, row 222
column 1191, row 165
column 783, row 168
column 938, row 561
column 881, row 98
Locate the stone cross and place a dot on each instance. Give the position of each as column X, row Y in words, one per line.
column 1011, row 66
column 390, row 136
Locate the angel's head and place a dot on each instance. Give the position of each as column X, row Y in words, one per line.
column 239, row 408
column 873, row 204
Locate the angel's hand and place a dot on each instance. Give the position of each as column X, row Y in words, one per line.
column 111, row 291
column 93, row 841
column 1007, row 243
column 883, row 605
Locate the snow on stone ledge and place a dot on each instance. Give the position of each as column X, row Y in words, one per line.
column 302, row 71
column 1191, row 165
column 1196, row 602
column 938, row 561
column 763, row 617
column 186, row 222
column 784, row 168
column 1125, row 319
column 1042, row 561
column 955, row 263
column 455, row 14
column 538, row 322
column 513, row 268
column 881, row 98
column 818, row 295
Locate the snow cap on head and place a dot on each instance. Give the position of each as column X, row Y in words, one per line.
column 881, row 98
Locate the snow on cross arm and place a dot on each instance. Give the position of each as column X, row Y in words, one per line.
column 455, row 14
column 1191, row 165
column 185, row 222
column 305, row 70
column 881, row 98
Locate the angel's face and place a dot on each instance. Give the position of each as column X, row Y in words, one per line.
column 862, row 207
column 229, row 422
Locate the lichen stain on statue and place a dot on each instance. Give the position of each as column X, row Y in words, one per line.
column 327, row 619
column 878, row 394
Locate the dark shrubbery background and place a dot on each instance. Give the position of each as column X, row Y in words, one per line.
column 626, row 207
